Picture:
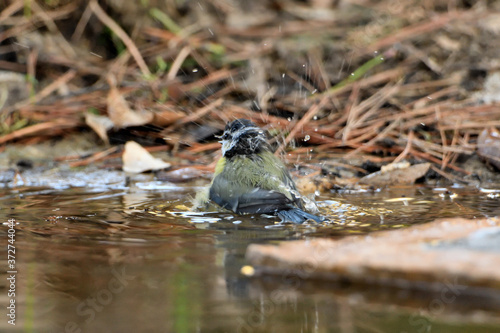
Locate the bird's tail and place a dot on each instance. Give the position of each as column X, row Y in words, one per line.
column 298, row 216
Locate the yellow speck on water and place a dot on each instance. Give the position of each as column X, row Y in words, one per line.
column 247, row 270
column 157, row 214
column 399, row 199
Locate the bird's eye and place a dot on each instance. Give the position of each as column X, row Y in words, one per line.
column 226, row 136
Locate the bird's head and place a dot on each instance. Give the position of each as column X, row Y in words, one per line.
column 243, row 137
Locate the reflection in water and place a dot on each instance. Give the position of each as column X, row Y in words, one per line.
column 117, row 260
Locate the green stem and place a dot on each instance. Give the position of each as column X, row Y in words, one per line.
column 167, row 22
column 358, row 73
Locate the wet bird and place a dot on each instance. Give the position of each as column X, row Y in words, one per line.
column 250, row 179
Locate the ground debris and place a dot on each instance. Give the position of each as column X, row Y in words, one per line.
column 489, row 146
column 136, row 159
column 396, row 176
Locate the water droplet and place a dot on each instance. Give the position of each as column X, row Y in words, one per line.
column 283, row 75
column 307, row 138
column 304, row 65
column 376, row 52
column 195, row 70
column 352, row 74
column 315, row 117
column 429, row 97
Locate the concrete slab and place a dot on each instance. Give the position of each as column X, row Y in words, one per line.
column 463, row 252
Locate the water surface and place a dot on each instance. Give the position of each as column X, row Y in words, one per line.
column 132, row 259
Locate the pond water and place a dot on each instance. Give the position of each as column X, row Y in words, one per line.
column 132, row 259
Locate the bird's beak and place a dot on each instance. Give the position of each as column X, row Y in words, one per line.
column 226, row 145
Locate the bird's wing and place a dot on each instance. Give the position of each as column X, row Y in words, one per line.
column 243, row 199
column 290, row 184
column 263, row 202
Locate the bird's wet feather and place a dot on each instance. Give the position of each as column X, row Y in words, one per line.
column 249, row 178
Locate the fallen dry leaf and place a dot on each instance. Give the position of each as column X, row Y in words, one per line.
column 100, row 125
column 167, row 117
column 136, row 159
column 396, row 175
column 120, row 113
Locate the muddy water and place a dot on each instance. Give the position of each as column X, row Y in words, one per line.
column 121, row 259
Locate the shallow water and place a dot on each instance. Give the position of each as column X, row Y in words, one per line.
column 132, row 259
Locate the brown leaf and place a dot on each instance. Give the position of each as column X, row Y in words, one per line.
column 136, row 159
column 120, row 113
column 100, row 125
column 396, row 175
column 167, row 117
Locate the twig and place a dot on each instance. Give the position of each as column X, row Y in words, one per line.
column 10, row 10
column 417, row 29
column 407, row 149
column 108, row 21
column 380, row 136
column 300, row 124
column 80, row 27
column 447, row 175
column 359, row 72
column 94, row 158
column 38, row 129
column 42, row 93
column 437, row 161
column 172, row 73
column 195, row 116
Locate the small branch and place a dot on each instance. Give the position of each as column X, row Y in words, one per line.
column 120, row 33
column 300, row 124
